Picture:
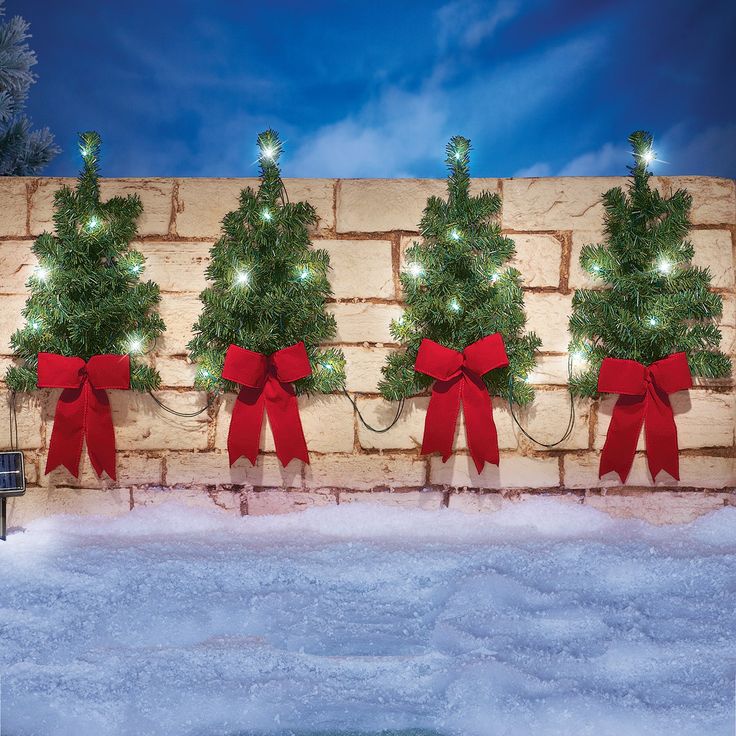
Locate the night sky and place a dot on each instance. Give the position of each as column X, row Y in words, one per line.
column 376, row 88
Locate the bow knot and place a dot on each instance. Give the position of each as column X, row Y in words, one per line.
column 83, row 409
column 644, row 399
column 267, row 386
column 458, row 379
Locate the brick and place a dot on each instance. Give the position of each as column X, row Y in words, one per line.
column 548, row 315
column 727, row 325
column 714, row 202
column 269, row 502
column 364, row 472
column 179, row 312
column 562, row 203
column 660, row 507
column 29, row 408
column 550, row 370
column 131, row 469
column 176, row 266
column 176, row 372
column 202, row 203
column 406, row 434
column 427, row 500
column 13, row 205
column 581, row 471
column 361, row 322
column 156, row 196
column 363, row 367
column 546, row 420
column 579, row 278
column 360, row 268
column 41, row 502
column 328, row 424
column 703, row 419
column 228, row 501
column 16, row 265
column 714, row 250
column 381, row 205
column 513, row 472
column 472, row 502
column 11, row 319
column 538, row 258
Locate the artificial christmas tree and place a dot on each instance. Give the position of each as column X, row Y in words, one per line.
column 652, row 326
column 23, row 152
column 464, row 307
column 264, row 318
column 88, row 316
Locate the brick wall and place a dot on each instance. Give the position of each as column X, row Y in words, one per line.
column 366, row 225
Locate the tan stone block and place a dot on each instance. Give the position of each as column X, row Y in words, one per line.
column 714, row 202
column 11, row 319
column 328, row 423
column 42, row 202
column 381, row 205
column 538, row 258
column 42, row 502
column 550, row 370
column 581, row 471
column 703, row 419
column 28, row 411
column 727, row 325
column 363, row 367
column 228, row 501
column 579, row 278
column 427, row 500
column 472, row 502
column 546, row 420
column 481, row 184
column 131, row 469
column 364, row 472
column 179, row 312
column 512, row 472
column 156, row 197
column 269, row 502
column 714, row 250
column 362, row 322
column 176, row 372
column 659, row 507
column 176, row 266
column 202, row 203
column 13, row 205
column 548, row 315
column 16, row 265
column 407, row 432
column 360, row 268
column 561, row 203
column 405, row 242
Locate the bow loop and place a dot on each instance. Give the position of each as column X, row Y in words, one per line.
column 266, row 381
column 459, row 380
column 644, row 400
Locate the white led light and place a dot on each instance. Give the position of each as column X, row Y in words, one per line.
column 135, row 345
column 136, row 268
column 455, row 234
column 595, row 268
column 328, row 366
column 653, row 321
column 204, row 373
column 266, row 215
column 415, row 269
column 242, row 278
column 85, row 151
column 455, row 305
column 35, row 325
column 268, row 152
column 664, row 266
column 93, row 223
column 304, row 274
column 41, row 273
column 495, row 276
column 648, row 156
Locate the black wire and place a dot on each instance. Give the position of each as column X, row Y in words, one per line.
column 570, row 422
column 399, row 409
column 185, row 415
column 14, row 444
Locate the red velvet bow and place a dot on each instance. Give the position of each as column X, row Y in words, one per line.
column 266, row 384
column 644, row 399
column 83, row 409
column 459, row 379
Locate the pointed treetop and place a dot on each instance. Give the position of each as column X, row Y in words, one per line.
column 458, row 162
column 643, row 152
column 89, row 146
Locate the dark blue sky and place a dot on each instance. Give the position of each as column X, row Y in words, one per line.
column 375, row 88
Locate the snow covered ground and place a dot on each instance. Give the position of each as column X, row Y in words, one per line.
column 544, row 618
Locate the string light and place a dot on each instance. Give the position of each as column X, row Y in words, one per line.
column 455, row 305
column 93, row 223
column 664, row 266
column 41, row 273
column 653, row 321
column 242, row 278
column 135, row 344
column 415, row 269
column 136, row 268
column 595, row 268
column 579, row 359
column 266, row 215
column 35, row 325
column 86, row 152
column 304, row 274
column 204, row 373
column 268, row 152
column 455, row 234
column 328, row 366
column 495, row 276
column 648, row 156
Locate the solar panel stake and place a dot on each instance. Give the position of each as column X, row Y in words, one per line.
column 12, row 483
column 3, row 518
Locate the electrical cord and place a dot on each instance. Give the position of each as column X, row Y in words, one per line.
column 399, row 410
column 185, row 415
column 14, row 444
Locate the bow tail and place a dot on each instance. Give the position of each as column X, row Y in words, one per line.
column 67, row 436
column 100, row 432
column 623, row 436
column 441, row 419
column 660, row 431
column 286, row 424
column 244, row 435
column 479, row 425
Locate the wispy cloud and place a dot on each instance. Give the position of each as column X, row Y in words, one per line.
column 467, row 23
